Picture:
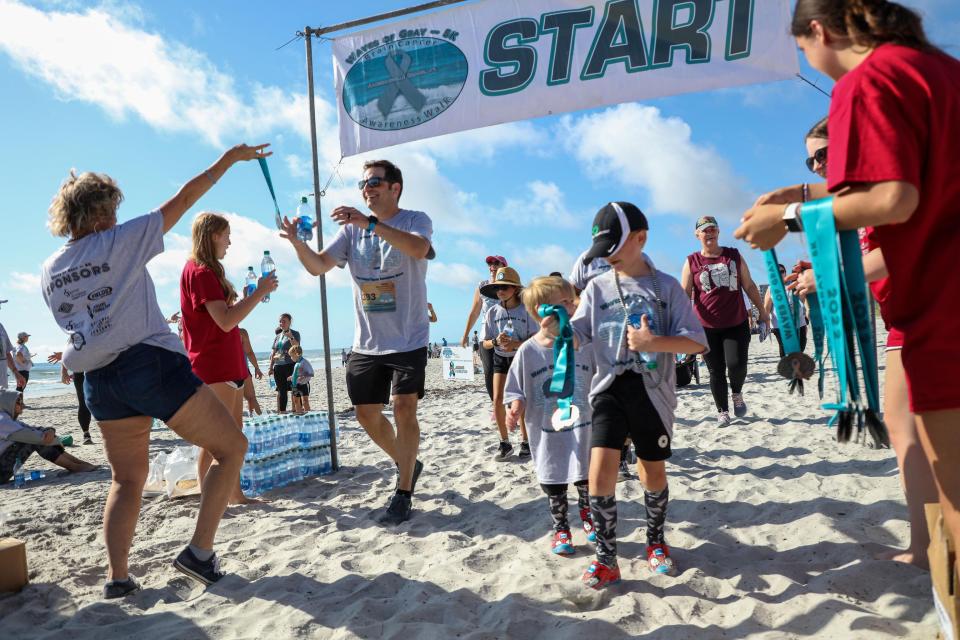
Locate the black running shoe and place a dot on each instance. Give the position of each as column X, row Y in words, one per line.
column 503, row 452
column 120, row 588
column 206, row 572
column 524, row 450
column 398, row 511
column 87, row 439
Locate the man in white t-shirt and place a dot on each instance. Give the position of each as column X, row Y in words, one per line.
column 387, row 255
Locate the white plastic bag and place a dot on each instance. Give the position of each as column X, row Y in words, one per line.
column 180, row 472
column 155, row 484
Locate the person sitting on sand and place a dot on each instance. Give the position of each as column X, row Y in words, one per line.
column 629, row 396
column 561, row 450
column 19, row 440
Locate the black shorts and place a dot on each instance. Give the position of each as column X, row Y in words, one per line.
column 625, row 410
column 301, row 391
column 369, row 378
column 501, row 364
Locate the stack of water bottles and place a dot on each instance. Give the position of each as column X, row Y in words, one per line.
column 283, row 449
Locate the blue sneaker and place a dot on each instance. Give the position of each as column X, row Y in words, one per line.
column 562, row 545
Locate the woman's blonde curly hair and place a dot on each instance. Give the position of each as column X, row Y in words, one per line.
column 84, row 201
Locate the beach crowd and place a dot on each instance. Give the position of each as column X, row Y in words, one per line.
column 585, row 366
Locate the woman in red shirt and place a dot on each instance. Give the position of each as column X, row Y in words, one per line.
column 895, row 166
column 210, row 319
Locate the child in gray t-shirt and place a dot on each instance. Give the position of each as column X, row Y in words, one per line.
column 636, row 318
column 560, row 448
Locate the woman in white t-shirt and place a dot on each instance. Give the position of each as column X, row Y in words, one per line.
column 100, row 294
column 22, row 358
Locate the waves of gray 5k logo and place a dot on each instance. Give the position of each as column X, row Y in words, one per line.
column 405, row 83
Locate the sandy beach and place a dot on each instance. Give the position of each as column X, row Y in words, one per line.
column 773, row 524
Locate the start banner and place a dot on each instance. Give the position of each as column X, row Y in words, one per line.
column 495, row 61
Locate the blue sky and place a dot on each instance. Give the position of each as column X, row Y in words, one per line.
column 151, row 93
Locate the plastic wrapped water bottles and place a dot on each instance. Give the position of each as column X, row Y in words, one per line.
column 284, row 449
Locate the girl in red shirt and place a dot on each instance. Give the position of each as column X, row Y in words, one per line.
column 895, row 166
column 210, row 319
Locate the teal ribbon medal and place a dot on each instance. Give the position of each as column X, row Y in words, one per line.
column 266, row 176
column 564, row 369
column 844, row 312
column 796, row 366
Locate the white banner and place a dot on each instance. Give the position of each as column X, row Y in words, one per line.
column 457, row 363
column 496, row 61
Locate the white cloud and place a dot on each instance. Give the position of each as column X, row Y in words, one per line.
column 479, row 144
column 637, row 146
column 98, row 56
column 544, row 203
column 297, row 166
column 453, row 275
column 532, row 262
column 27, row 282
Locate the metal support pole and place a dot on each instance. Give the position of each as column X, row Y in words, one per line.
column 331, row 413
column 383, row 16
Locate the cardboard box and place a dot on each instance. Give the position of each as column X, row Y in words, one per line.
column 13, row 564
column 946, row 583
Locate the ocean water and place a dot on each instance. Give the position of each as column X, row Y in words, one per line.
column 45, row 378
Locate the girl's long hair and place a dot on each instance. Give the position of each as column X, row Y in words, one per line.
column 868, row 23
column 205, row 226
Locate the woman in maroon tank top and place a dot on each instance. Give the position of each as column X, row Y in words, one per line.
column 716, row 278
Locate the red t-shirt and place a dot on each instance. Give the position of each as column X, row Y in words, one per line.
column 216, row 356
column 897, row 117
column 717, row 290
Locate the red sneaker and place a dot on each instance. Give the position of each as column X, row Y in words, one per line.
column 598, row 575
column 658, row 558
column 562, row 543
column 587, row 519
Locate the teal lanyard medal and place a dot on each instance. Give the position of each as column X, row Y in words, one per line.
column 843, row 306
column 564, row 368
column 795, row 366
column 266, row 176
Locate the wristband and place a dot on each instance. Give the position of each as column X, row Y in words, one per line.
column 806, row 192
column 210, row 176
column 791, row 217
column 371, row 223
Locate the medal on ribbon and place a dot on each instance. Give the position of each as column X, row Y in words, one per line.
column 796, row 366
column 564, row 368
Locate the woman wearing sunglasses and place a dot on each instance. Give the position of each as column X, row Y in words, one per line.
column 915, row 473
column 479, row 310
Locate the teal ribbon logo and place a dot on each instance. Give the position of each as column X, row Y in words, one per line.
column 564, row 359
column 399, row 83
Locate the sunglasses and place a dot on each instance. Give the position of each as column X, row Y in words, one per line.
column 819, row 157
column 373, row 182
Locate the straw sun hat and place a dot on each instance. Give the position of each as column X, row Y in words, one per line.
column 506, row 276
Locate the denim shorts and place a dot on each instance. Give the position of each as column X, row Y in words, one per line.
column 143, row 381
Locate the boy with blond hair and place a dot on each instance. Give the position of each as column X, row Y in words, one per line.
column 300, row 380
column 560, row 447
column 637, row 318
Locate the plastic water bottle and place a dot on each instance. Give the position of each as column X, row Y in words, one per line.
column 305, row 227
column 37, row 475
column 18, row 476
column 509, row 330
column 267, row 266
column 251, row 281
column 646, row 309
